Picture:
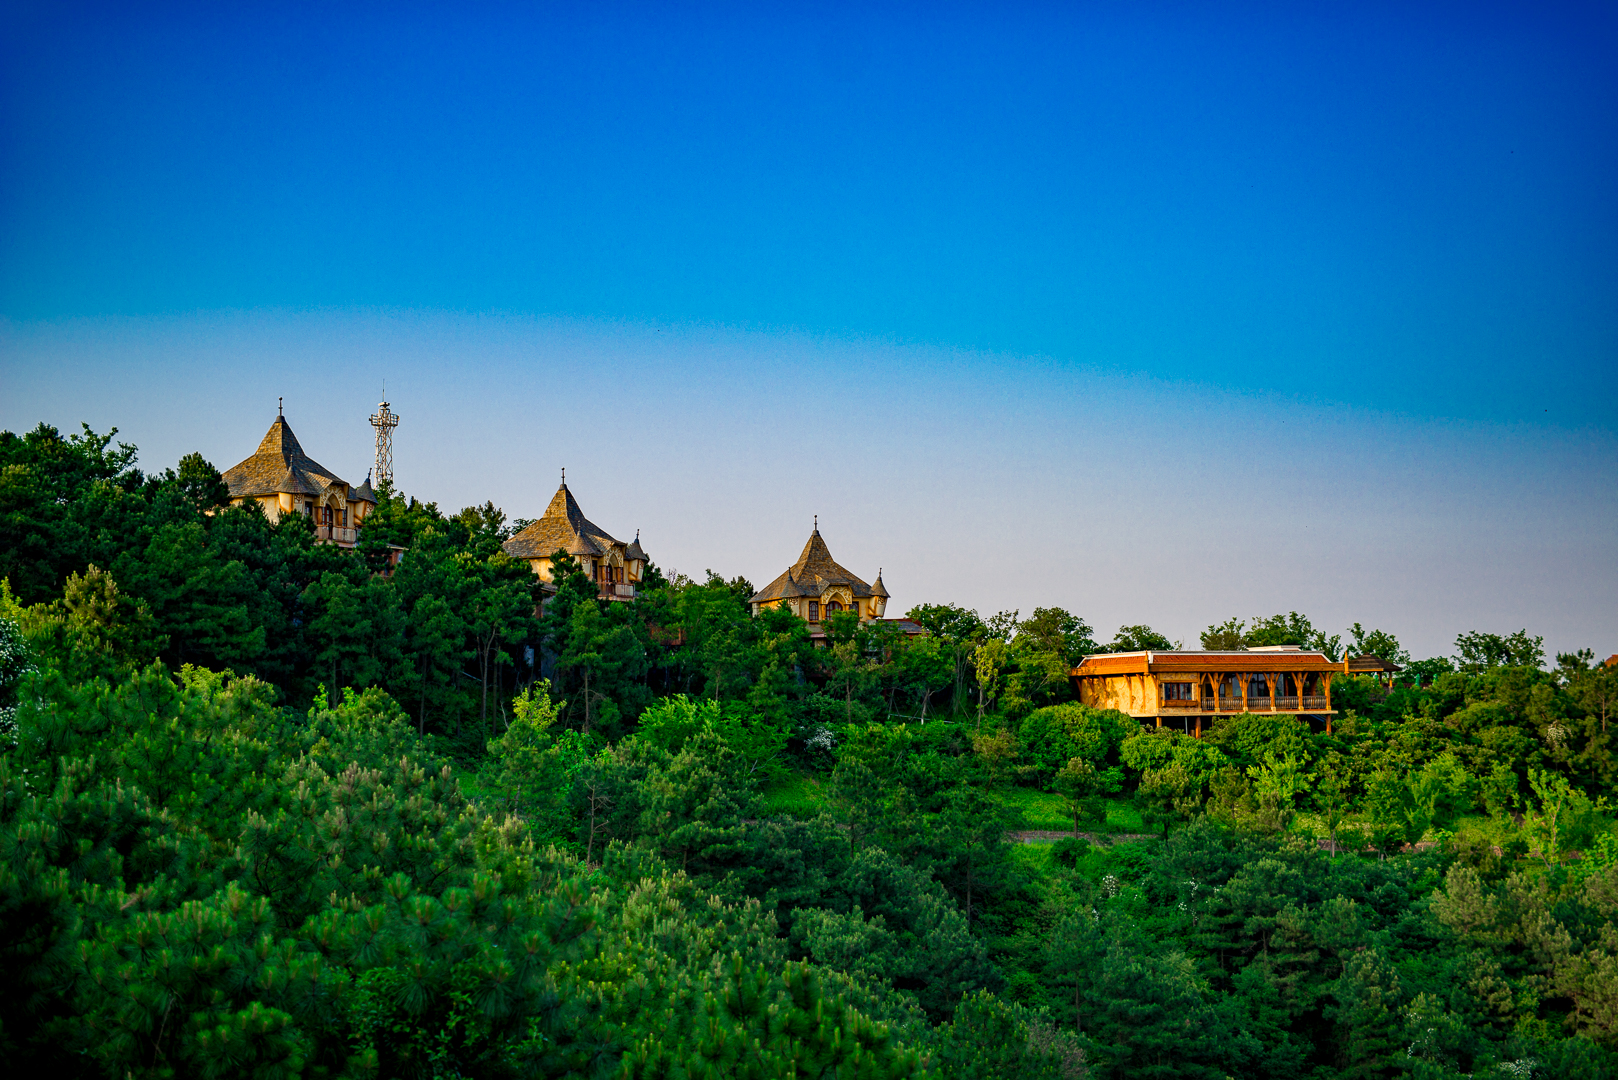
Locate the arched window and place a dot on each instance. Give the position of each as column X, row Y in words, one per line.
column 832, row 605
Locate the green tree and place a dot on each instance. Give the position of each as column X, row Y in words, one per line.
column 1479, row 651
column 959, row 631
column 1081, row 785
column 1378, row 643
column 1365, row 1007
column 498, row 612
column 1139, row 639
column 966, row 839
column 64, row 502
column 210, row 608
column 95, row 629
column 436, row 647
column 606, row 661
column 1044, row 650
column 1289, row 629
column 532, row 763
column 988, row 662
column 357, row 628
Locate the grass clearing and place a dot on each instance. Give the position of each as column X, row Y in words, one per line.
column 798, row 795
column 1044, row 810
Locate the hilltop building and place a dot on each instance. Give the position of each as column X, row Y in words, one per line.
column 617, row 568
column 1193, row 685
column 282, row 479
column 815, row 587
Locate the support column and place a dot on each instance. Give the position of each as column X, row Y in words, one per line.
column 1325, row 686
column 1244, row 680
column 1269, row 677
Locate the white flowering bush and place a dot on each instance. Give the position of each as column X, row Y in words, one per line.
column 14, row 664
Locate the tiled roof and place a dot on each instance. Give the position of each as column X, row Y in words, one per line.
column 563, row 526
column 877, row 588
column 634, row 551
column 280, row 465
column 813, row 573
column 1171, row 661
column 363, row 493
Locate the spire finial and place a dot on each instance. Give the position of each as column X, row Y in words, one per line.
column 564, row 476
column 817, row 523
column 279, row 410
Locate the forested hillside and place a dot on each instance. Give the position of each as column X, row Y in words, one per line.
column 270, row 808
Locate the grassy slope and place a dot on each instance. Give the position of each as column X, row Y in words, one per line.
column 803, row 795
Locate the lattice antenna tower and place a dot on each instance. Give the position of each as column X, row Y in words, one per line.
column 384, row 420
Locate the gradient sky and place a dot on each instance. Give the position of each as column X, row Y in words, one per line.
column 1158, row 312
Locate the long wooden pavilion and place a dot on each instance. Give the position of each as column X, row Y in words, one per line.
column 1190, row 686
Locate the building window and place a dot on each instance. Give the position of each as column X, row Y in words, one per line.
column 814, row 611
column 1258, row 688
column 832, row 606
column 1176, row 691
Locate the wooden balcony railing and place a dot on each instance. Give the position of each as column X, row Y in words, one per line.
column 335, row 532
column 1254, row 704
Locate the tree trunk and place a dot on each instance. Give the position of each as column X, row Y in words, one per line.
column 590, row 844
column 586, row 701
column 485, row 651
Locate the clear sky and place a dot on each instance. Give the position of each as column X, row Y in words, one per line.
column 1161, row 313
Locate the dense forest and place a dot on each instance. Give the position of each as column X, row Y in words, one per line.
column 271, row 808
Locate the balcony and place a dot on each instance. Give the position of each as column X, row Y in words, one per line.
column 1308, row 703
column 335, row 534
column 610, row 590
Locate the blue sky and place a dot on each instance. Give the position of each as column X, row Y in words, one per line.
column 1159, row 312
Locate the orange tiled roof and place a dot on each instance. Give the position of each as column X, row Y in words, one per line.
column 1234, row 660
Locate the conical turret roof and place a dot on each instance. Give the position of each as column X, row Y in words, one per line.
column 363, row 493
column 559, row 528
column 634, row 550
column 813, row 573
column 279, row 465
